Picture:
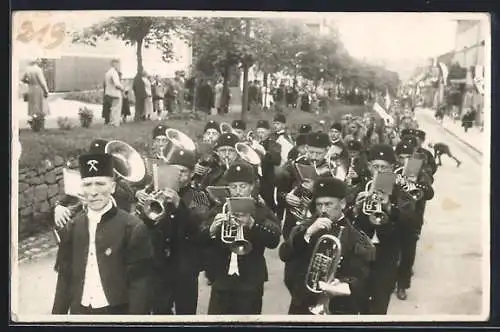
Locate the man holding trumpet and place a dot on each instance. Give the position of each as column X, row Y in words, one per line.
column 343, row 283
column 238, row 277
column 382, row 225
column 410, row 234
column 175, row 234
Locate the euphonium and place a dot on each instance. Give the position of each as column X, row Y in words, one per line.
column 372, row 206
column 323, row 266
column 409, row 186
column 232, row 233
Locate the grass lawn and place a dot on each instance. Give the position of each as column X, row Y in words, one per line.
column 51, row 142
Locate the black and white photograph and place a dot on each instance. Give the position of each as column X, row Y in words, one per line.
column 205, row 166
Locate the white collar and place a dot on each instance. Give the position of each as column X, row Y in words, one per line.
column 97, row 215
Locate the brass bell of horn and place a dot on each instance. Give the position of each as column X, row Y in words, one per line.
column 128, row 163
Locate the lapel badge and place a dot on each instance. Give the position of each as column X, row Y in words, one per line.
column 108, row 252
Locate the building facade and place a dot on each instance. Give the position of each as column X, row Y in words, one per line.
column 81, row 67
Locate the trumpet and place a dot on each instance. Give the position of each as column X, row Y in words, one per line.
column 372, row 206
column 323, row 266
column 232, row 233
column 409, row 186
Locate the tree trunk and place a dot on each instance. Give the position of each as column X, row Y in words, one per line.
column 244, row 106
column 265, row 83
column 139, row 56
column 225, row 88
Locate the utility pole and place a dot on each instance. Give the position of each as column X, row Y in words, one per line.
column 244, row 104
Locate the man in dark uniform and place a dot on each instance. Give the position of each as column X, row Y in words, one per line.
column 239, row 128
column 293, row 192
column 238, row 280
column 347, row 289
column 385, row 237
column 419, row 135
column 270, row 161
column 281, row 136
column 178, row 255
column 106, row 264
column 409, row 234
column 123, row 194
column 211, row 132
column 441, row 149
column 226, row 152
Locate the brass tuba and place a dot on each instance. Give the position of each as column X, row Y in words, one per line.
column 409, row 186
column 248, row 154
column 177, row 140
column 232, row 233
column 128, row 163
column 323, row 266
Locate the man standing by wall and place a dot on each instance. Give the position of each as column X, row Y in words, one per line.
column 113, row 90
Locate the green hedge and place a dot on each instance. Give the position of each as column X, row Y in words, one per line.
column 37, row 147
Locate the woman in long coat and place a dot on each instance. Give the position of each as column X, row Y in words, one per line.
column 37, row 89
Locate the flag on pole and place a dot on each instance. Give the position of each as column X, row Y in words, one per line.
column 444, row 72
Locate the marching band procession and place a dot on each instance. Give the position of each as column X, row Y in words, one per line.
column 343, row 204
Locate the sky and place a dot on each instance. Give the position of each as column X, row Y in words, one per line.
column 396, row 36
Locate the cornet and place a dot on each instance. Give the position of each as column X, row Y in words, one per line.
column 232, row 233
column 409, row 186
column 323, row 266
column 372, row 206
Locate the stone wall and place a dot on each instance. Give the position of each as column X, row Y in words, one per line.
column 39, row 189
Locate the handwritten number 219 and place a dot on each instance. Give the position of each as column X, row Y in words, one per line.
column 56, row 36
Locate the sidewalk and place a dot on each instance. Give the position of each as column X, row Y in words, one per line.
column 473, row 138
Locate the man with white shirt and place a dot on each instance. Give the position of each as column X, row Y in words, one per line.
column 346, row 291
column 238, row 280
column 113, row 90
column 106, row 266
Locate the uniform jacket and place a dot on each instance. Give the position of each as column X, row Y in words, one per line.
column 124, row 256
column 353, row 268
column 271, row 160
column 252, row 267
column 430, row 165
column 175, row 240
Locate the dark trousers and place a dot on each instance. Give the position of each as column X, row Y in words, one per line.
column 235, row 302
column 409, row 240
column 109, row 310
column 181, row 295
column 381, row 282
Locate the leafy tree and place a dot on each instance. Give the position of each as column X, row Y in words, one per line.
column 133, row 30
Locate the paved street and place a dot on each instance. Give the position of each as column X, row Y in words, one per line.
column 448, row 268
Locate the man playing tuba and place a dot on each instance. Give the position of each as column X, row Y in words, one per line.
column 337, row 273
column 238, row 278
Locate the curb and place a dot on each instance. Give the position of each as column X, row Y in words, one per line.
column 462, row 140
column 39, row 255
column 458, row 137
